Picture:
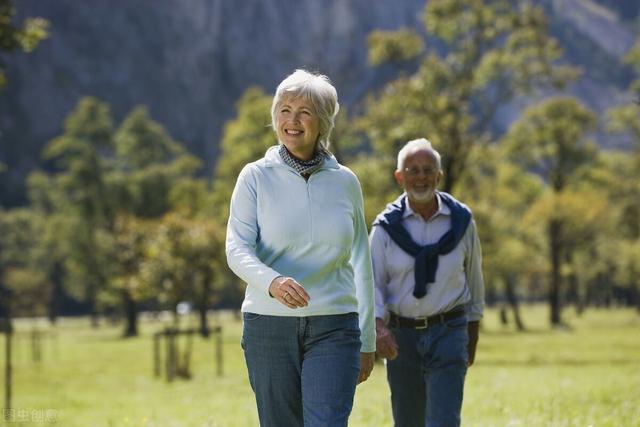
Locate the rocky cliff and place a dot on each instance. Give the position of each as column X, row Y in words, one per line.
column 188, row 61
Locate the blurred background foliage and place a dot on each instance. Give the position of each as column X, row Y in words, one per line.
column 122, row 218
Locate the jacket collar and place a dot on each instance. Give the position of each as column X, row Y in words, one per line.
column 272, row 159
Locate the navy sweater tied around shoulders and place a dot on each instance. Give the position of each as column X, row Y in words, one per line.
column 426, row 257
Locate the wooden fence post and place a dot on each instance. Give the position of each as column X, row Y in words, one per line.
column 218, row 332
column 156, row 354
column 36, row 345
column 171, row 357
column 7, row 373
column 175, row 363
column 7, row 328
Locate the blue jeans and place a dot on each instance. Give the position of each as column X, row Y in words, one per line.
column 427, row 377
column 303, row 370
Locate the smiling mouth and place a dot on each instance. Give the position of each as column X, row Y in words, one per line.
column 293, row 132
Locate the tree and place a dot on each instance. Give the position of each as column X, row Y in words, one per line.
column 148, row 166
column 53, row 249
column 78, row 154
column 130, row 239
column 140, row 142
column 206, row 258
column 245, row 139
column 378, row 188
column 500, row 194
column 13, row 38
column 183, row 261
column 494, row 51
column 21, row 230
column 582, row 214
column 625, row 119
column 106, row 187
column 549, row 139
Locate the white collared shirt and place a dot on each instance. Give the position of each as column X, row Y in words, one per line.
column 458, row 278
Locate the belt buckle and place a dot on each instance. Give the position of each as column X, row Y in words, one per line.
column 424, row 320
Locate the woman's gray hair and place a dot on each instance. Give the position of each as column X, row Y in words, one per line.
column 417, row 145
column 316, row 88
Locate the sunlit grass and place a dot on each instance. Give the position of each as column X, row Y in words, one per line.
column 586, row 375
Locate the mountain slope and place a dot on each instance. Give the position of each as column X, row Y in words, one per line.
column 189, row 61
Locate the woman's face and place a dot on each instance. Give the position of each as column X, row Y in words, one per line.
column 298, row 126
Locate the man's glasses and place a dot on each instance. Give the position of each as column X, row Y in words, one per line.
column 415, row 171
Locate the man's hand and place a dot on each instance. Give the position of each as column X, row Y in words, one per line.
column 386, row 346
column 366, row 366
column 473, row 329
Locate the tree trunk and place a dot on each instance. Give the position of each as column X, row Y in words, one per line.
column 595, row 291
column 203, row 306
column 176, row 316
column 512, row 299
column 130, row 313
column 93, row 306
column 555, row 253
column 635, row 296
column 632, row 300
column 450, row 176
column 606, row 287
column 504, row 317
column 95, row 318
column 92, row 269
column 55, row 299
column 490, row 296
column 573, row 293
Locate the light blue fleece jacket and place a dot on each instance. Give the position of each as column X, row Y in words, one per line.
column 313, row 231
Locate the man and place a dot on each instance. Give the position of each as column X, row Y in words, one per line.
column 429, row 292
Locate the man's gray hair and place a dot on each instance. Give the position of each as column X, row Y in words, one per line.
column 316, row 88
column 417, row 145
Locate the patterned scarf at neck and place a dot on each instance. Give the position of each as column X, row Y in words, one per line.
column 303, row 167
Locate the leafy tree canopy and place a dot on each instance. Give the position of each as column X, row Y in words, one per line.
column 24, row 38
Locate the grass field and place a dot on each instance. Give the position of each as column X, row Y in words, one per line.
column 588, row 375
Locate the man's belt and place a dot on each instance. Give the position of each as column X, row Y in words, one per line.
column 424, row 322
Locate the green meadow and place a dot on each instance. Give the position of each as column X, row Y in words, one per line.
column 587, row 374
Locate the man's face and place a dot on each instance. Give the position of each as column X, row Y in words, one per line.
column 419, row 176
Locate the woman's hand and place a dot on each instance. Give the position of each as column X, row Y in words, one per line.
column 366, row 366
column 289, row 292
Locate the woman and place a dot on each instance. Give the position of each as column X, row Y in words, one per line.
column 296, row 235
